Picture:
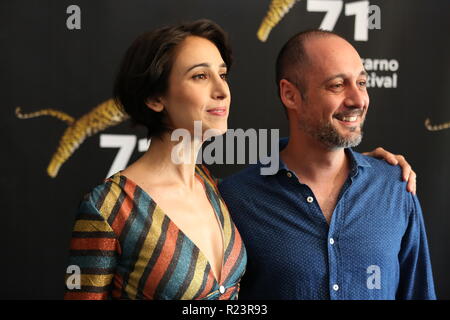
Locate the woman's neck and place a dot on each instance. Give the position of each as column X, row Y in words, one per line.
column 168, row 162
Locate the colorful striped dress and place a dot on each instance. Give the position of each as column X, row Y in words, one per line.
column 127, row 248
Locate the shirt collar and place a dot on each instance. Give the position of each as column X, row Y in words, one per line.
column 356, row 159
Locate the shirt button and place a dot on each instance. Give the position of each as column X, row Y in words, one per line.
column 222, row 289
column 335, row 287
column 310, row 199
column 331, row 241
column 289, row 175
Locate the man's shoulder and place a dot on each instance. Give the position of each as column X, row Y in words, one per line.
column 250, row 174
column 384, row 179
column 245, row 181
column 378, row 168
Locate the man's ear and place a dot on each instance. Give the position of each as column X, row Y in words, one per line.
column 155, row 104
column 290, row 95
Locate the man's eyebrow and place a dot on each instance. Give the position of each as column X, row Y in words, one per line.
column 339, row 75
column 206, row 65
column 342, row 75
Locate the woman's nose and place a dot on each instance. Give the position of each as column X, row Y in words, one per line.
column 220, row 89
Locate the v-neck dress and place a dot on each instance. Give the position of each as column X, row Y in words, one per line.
column 126, row 247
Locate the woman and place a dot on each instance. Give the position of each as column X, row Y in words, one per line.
column 159, row 229
column 131, row 239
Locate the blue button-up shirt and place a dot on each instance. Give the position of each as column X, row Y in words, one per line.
column 375, row 246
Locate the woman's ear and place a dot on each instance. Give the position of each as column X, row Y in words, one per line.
column 155, row 104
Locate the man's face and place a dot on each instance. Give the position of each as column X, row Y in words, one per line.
column 336, row 99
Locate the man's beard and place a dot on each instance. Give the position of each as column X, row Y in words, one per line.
column 326, row 133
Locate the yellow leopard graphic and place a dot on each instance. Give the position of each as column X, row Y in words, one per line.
column 104, row 115
column 436, row 127
column 277, row 10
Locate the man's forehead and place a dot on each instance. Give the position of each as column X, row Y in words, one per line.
column 333, row 55
column 330, row 41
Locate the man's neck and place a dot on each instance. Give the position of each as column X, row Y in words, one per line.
column 314, row 162
column 323, row 169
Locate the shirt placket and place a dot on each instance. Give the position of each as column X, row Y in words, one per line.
column 331, row 232
column 336, row 287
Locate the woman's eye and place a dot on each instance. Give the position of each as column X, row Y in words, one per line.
column 224, row 76
column 200, row 76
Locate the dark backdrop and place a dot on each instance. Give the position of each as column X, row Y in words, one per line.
column 46, row 65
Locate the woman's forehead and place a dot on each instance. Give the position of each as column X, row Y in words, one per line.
column 197, row 50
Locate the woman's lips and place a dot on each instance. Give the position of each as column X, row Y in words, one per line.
column 217, row 111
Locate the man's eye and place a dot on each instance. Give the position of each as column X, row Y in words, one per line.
column 336, row 86
column 224, row 76
column 362, row 83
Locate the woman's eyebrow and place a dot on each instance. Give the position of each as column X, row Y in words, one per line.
column 207, row 65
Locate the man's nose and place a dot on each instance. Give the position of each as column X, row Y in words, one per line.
column 356, row 97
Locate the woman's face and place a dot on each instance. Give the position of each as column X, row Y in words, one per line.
column 198, row 88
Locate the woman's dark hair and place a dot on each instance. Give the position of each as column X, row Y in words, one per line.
column 145, row 69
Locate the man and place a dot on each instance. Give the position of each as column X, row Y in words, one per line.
column 331, row 223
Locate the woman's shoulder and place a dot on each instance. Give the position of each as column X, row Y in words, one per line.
column 112, row 185
column 103, row 197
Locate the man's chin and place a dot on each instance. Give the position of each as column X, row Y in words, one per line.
column 353, row 141
column 340, row 141
column 334, row 136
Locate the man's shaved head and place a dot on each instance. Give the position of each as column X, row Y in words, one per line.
column 293, row 58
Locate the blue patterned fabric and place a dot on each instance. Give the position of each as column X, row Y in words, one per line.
column 374, row 248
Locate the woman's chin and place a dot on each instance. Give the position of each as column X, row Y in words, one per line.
column 214, row 131
column 215, row 128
